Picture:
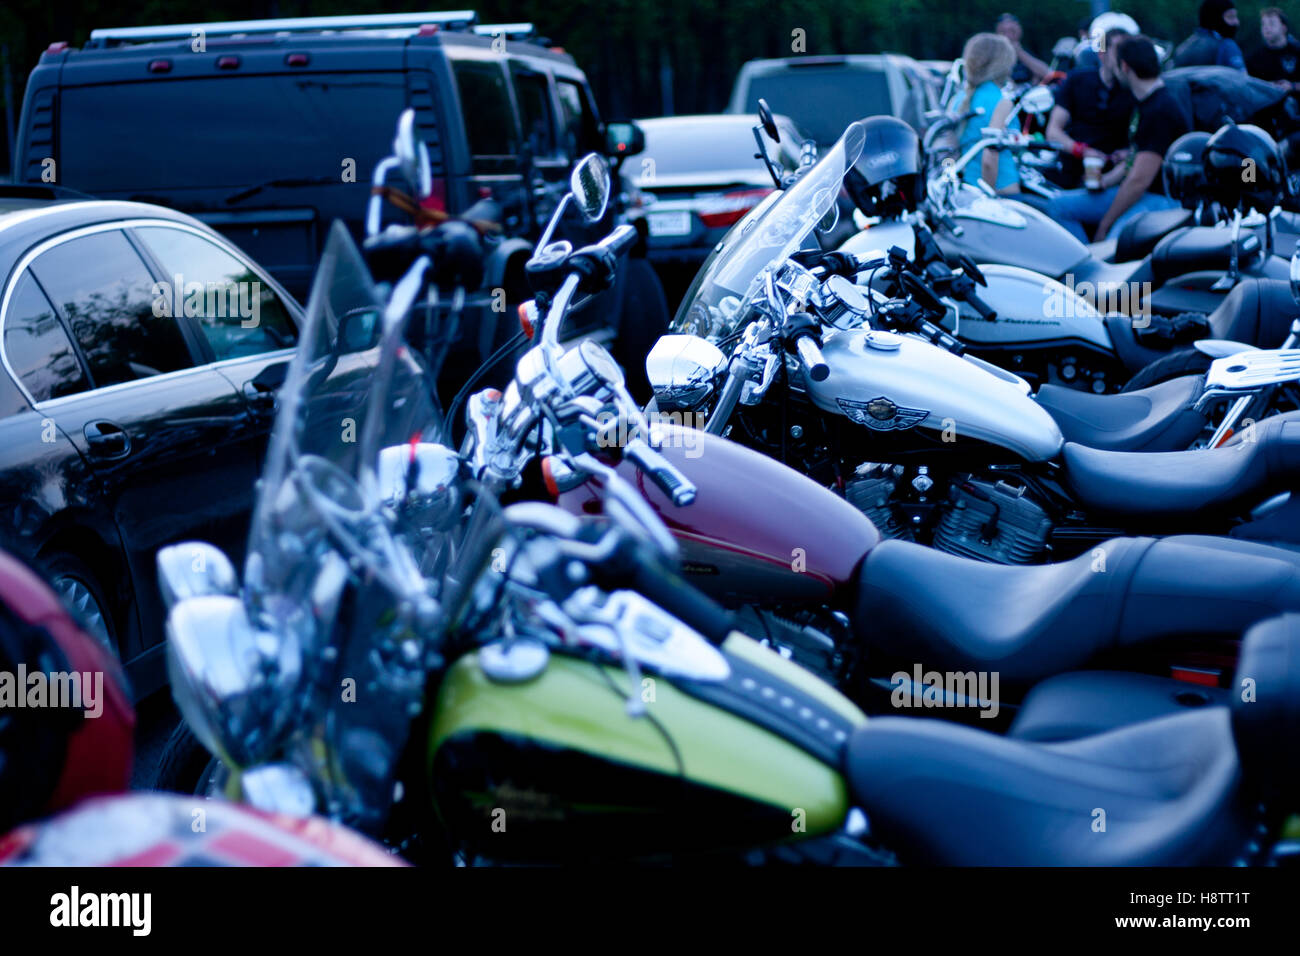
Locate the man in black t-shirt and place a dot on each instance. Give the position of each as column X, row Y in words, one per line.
column 1135, row 185
column 1092, row 113
column 1278, row 60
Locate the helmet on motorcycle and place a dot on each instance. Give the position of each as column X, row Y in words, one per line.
column 1244, row 167
column 889, row 175
column 1184, row 168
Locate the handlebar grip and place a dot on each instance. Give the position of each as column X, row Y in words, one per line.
column 621, row 240
column 679, row 489
column 982, row 307
column 810, row 354
column 682, row 601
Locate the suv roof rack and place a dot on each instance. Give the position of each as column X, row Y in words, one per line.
column 511, row 31
column 449, row 20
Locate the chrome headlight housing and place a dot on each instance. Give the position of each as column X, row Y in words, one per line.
column 233, row 683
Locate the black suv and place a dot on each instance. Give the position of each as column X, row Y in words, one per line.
column 267, row 130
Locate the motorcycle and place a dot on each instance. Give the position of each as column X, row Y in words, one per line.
column 931, row 444
column 510, row 683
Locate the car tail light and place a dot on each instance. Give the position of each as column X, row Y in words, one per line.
column 730, row 208
column 437, row 198
column 427, row 30
column 297, row 59
column 160, row 66
column 58, row 46
column 227, row 63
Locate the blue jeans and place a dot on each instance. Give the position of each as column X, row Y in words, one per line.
column 1074, row 207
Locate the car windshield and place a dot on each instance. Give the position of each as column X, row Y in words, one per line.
column 823, row 100
column 681, row 147
column 770, row 233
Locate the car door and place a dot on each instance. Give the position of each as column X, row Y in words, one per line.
column 252, row 340
column 492, row 132
column 157, row 427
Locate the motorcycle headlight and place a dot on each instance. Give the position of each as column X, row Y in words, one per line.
column 231, row 682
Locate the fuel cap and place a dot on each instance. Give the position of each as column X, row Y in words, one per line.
column 513, row 661
column 882, row 341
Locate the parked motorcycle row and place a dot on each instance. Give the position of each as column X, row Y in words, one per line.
column 897, row 566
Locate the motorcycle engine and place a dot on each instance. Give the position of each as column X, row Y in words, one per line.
column 992, row 522
column 873, row 494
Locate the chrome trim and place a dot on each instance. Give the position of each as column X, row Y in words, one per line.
column 46, row 245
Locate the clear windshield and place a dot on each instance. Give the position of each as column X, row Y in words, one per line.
column 770, row 233
column 339, row 539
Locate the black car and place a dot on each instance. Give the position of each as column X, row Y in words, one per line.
column 141, row 351
column 272, row 128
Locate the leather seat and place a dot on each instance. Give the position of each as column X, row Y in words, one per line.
column 1199, row 249
column 1083, row 703
column 1257, row 312
column 916, row 605
column 941, row 793
column 1169, row 791
column 1144, row 231
column 1159, row 418
column 1111, row 286
column 1163, row 485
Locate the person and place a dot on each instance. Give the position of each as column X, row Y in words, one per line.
column 1212, row 44
column 987, row 60
column 1135, row 185
column 1027, row 68
column 1091, row 113
column 1278, row 60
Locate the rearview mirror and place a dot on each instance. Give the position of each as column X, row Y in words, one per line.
column 412, row 155
column 767, row 122
column 623, row 140
column 590, row 186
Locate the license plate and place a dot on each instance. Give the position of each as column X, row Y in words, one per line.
column 663, row 224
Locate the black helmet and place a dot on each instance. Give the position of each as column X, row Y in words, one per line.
column 889, row 175
column 1243, row 166
column 1184, row 168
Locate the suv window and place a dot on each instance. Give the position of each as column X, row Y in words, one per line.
column 534, row 97
column 581, row 128
column 489, row 117
column 37, row 346
column 228, row 131
column 106, row 295
column 237, row 312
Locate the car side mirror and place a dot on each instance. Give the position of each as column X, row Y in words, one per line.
column 623, row 140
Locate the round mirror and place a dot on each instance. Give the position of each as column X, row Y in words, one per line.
column 412, row 155
column 590, row 186
column 767, row 122
column 1295, row 275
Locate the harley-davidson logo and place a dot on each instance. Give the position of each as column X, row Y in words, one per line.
column 882, row 415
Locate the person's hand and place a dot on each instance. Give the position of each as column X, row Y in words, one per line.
column 1093, row 152
column 1284, row 85
column 1119, row 156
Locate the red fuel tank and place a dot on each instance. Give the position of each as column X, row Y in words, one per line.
column 757, row 531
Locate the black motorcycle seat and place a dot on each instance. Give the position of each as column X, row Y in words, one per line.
column 942, row 793
column 1083, row 703
column 1201, row 248
column 1144, row 231
column 1257, row 312
column 1159, row 418
column 1111, row 286
column 1159, row 485
column 1165, row 791
column 1028, row 622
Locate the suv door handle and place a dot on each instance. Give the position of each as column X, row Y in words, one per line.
column 107, row 439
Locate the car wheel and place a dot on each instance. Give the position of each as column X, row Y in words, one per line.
column 77, row 586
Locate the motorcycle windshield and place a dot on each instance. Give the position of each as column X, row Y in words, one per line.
column 352, row 390
column 771, row 232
